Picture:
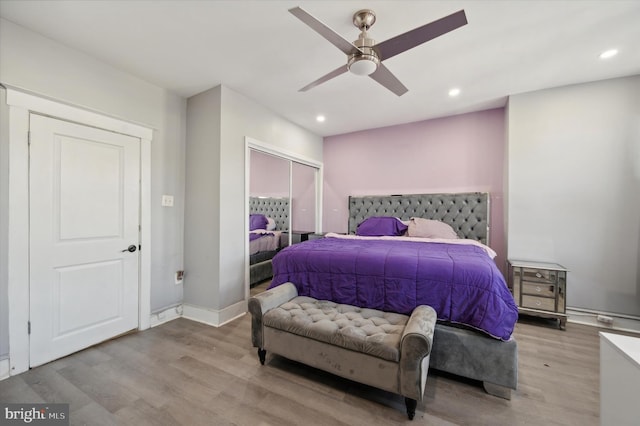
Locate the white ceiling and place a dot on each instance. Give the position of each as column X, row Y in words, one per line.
column 259, row 49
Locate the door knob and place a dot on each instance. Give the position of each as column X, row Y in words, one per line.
column 131, row 248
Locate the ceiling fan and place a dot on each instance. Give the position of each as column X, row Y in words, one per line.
column 365, row 56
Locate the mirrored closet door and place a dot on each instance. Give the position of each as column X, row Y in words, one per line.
column 269, row 189
column 286, row 190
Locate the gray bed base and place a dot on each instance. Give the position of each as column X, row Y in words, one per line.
column 456, row 350
column 276, row 208
column 260, row 271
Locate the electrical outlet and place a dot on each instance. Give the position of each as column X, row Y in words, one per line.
column 179, row 277
column 167, row 200
column 604, row 319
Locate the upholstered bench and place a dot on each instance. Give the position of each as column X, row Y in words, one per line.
column 381, row 349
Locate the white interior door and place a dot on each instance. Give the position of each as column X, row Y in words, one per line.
column 84, row 206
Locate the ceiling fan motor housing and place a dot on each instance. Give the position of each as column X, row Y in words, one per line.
column 366, row 60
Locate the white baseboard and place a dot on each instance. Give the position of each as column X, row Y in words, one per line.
column 620, row 322
column 167, row 315
column 4, row 369
column 216, row 318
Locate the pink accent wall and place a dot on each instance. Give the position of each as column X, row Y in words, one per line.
column 462, row 153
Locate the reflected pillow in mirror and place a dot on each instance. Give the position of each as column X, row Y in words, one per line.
column 257, row 221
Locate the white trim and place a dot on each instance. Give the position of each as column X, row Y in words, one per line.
column 319, row 186
column 18, row 244
column 164, row 316
column 290, row 204
column 20, row 105
column 144, row 298
column 81, row 115
column 4, row 368
column 620, row 322
column 216, row 318
column 279, row 152
column 247, row 186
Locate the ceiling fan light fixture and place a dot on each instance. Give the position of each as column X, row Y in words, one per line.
column 363, row 64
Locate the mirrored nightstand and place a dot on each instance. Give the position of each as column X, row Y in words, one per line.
column 539, row 289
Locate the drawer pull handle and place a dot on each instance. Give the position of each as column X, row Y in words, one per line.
column 538, row 303
column 538, row 289
column 538, row 275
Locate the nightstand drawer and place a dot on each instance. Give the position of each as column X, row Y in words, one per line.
column 541, row 303
column 539, row 275
column 538, row 289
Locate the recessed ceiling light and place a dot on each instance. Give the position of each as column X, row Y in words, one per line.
column 608, row 53
column 320, row 118
column 454, row 92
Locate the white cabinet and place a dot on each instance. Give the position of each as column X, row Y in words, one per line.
column 619, row 379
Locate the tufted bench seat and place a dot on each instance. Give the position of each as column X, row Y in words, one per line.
column 381, row 349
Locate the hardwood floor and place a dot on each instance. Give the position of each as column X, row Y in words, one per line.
column 187, row 373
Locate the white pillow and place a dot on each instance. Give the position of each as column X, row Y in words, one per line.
column 427, row 228
column 271, row 224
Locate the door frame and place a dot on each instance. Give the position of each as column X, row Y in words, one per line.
column 21, row 105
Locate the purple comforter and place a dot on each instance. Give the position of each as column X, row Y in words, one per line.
column 461, row 282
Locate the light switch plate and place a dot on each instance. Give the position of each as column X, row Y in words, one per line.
column 167, row 200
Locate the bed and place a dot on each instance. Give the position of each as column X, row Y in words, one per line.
column 265, row 243
column 459, row 278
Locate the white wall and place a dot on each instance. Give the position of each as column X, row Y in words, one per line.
column 202, row 214
column 574, row 188
column 240, row 117
column 39, row 65
column 243, row 117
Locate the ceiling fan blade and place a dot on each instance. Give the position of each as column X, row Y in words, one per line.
column 324, row 78
column 383, row 76
column 326, row 32
column 417, row 36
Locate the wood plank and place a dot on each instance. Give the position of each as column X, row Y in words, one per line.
column 185, row 372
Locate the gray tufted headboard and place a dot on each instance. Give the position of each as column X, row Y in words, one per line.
column 467, row 213
column 275, row 208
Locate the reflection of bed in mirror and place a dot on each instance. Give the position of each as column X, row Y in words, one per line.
column 271, row 239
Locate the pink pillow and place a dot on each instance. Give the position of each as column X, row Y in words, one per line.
column 427, row 228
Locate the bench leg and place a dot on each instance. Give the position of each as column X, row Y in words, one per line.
column 411, row 407
column 497, row 390
column 262, row 354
